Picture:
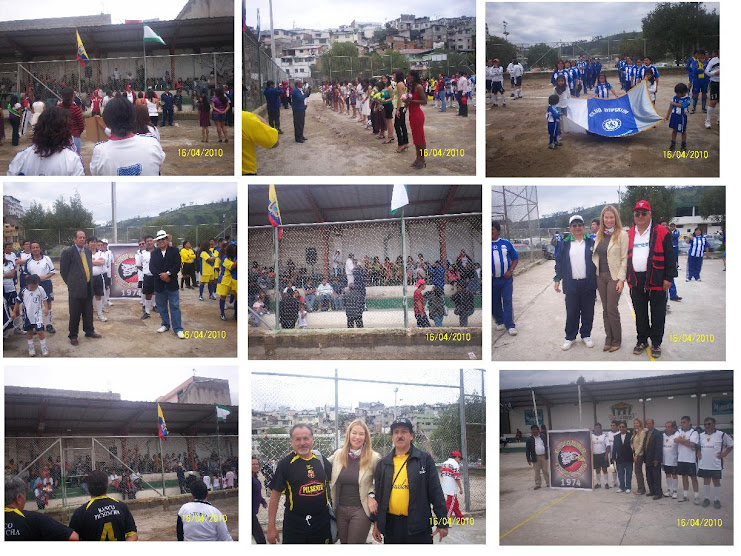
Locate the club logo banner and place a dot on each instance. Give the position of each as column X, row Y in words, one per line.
column 570, row 459
column 125, row 279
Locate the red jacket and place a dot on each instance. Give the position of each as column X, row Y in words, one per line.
column 78, row 121
column 661, row 265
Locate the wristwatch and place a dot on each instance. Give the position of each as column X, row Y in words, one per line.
column 371, row 495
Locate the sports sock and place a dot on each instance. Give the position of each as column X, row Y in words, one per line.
column 43, row 343
column 707, row 491
column 694, row 103
column 222, row 303
column 687, row 494
column 48, row 318
column 716, row 492
column 697, row 494
column 200, row 289
column 710, row 114
column 30, row 343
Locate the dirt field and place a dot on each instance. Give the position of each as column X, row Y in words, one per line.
column 338, row 146
column 156, row 524
column 126, row 335
column 517, row 141
column 184, row 134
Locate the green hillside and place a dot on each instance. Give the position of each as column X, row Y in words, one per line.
column 188, row 215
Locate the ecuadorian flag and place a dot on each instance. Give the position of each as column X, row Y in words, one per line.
column 161, row 425
column 81, row 54
column 274, row 211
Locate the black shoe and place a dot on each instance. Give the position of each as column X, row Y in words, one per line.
column 145, row 316
column 639, row 348
column 655, row 352
column 607, row 486
column 658, row 497
column 304, row 138
column 299, row 140
column 280, row 132
column 705, row 503
column 50, row 329
column 676, row 298
column 598, row 485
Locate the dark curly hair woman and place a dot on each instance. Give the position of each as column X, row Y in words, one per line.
column 52, row 152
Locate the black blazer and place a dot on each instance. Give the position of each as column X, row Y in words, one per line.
column 73, row 273
column 622, row 452
column 530, row 454
column 655, row 449
column 169, row 263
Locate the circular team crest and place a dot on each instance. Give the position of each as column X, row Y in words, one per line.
column 126, row 274
column 570, row 458
column 613, row 124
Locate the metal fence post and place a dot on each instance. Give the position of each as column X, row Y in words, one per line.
column 92, row 453
column 336, row 411
column 64, row 476
column 277, row 279
column 404, row 269
column 464, row 444
column 162, row 465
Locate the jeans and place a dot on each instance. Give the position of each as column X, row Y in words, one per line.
column 169, row 298
column 274, row 118
column 337, row 303
column 625, row 474
column 438, row 320
column 325, row 301
column 78, row 145
column 444, row 105
column 167, row 115
column 309, row 298
column 299, row 116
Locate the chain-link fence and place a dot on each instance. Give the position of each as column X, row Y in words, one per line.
column 516, row 209
column 258, row 69
column 53, row 241
column 189, row 72
column 55, row 468
column 382, row 260
column 447, row 409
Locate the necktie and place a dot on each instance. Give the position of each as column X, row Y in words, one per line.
column 645, row 442
column 84, row 264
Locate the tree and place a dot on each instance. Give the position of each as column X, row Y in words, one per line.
column 691, row 26
column 542, row 56
column 499, row 47
column 447, row 435
column 341, row 62
column 713, row 203
column 661, row 199
column 391, row 61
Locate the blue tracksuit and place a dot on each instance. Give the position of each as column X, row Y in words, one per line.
column 695, row 257
column 502, row 255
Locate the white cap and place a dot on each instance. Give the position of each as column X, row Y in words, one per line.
column 162, row 234
column 575, row 217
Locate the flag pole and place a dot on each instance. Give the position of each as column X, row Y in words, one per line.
column 277, row 279
column 144, row 49
column 404, row 269
column 218, row 445
column 162, row 465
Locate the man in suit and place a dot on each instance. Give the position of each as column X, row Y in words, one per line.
column 536, row 453
column 622, row 455
column 75, row 267
column 165, row 266
column 653, row 454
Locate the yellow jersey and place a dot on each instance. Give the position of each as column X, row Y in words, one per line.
column 254, row 132
column 399, row 499
column 207, row 269
column 187, row 255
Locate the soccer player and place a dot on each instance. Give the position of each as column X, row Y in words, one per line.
column 699, row 80
column 603, row 89
column 25, row 525
column 42, row 266
column 600, row 458
column 648, row 65
column 687, row 439
column 714, row 446
column 678, row 111
column 712, row 70
column 698, row 246
column 610, row 435
column 103, row 246
column 504, row 259
column 228, row 262
column 103, row 518
column 98, row 280
column 33, row 297
column 139, row 272
column 670, row 452
column 450, row 473
column 198, row 520
column 142, row 258
column 206, row 261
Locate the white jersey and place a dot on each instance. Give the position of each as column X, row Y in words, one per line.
column 710, row 446
column 106, row 100
column 142, row 259
column 137, row 260
column 449, row 472
column 139, row 155
column 42, row 267
column 686, row 453
column 712, row 69
column 497, row 74
column 98, row 270
column 489, row 73
column 8, row 266
column 108, row 263
column 599, row 444
column 207, row 481
column 33, row 305
column 671, row 449
column 610, row 436
column 64, row 163
column 202, row 522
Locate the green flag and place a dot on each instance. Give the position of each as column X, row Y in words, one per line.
column 221, row 413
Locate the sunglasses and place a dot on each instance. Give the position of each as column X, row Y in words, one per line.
column 640, row 213
column 577, row 224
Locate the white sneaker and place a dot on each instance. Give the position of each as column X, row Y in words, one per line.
column 44, row 351
column 102, row 318
column 697, row 501
column 588, row 342
column 512, row 331
column 499, row 327
column 707, row 125
column 627, row 491
column 567, row 345
column 32, row 352
column 162, row 329
column 668, row 493
column 181, row 334
column 674, row 494
column 110, row 303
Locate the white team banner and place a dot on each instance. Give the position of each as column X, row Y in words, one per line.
column 613, row 117
column 125, row 279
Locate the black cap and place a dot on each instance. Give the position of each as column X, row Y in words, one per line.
column 402, row 422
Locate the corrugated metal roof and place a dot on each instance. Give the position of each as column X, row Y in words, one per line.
column 301, row 204
column 650, row 386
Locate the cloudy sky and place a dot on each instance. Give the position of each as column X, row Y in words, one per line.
column 305, row 393
column 120, row 11
column 533, row 22
column 521, row 379
column 133, row 199
column 323, row 14
column 128, row 383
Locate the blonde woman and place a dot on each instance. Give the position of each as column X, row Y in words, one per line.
column 637, row 442
column 351, row 483
column 610, row 256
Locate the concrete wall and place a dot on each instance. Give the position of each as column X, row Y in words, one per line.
column 659, row 409
column 207, row 8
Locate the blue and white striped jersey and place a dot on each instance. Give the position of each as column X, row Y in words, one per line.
column 563, row 73
column 697, row 247
column 602, row 90
column 684, row 101
column 502, row 255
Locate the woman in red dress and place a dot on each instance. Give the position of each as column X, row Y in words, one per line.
column 414, row 101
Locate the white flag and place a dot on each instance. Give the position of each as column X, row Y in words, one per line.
column 399, row 198
column 151, row 36
column 222, row 413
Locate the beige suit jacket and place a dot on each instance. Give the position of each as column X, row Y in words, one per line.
column 617, row 257
column 365, row 479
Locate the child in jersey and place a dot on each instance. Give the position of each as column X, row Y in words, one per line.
column 571, row 78
column 553, row 116
column 35, row 308
column 678, row 112
column 562, row 90
column 603, row 89
column 651, row 82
